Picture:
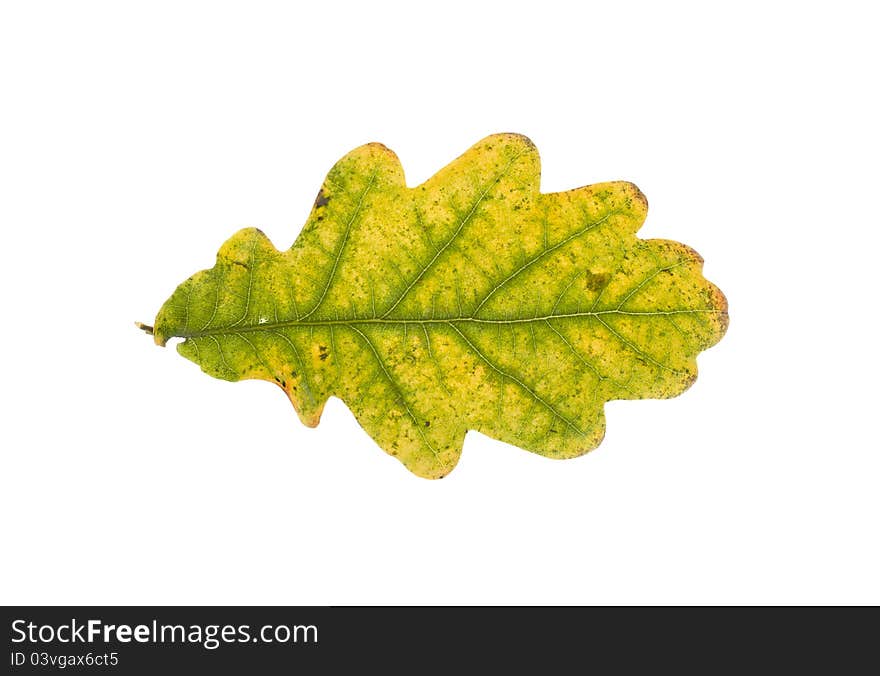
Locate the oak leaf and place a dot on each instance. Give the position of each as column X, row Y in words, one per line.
column 470, row 302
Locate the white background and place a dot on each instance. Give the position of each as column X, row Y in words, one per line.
column 137, row 137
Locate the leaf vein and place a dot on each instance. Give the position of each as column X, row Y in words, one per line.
column 516, row 380
column 339, row 251
column 522, row 268
column 464, row 221
column 396, row 387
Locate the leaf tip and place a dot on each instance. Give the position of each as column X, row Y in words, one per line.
column 310, row 417
column 638, row 195
column 719, row 301
column 311, row 421
column 515, row 137
column 378, row 147
column 375, row 149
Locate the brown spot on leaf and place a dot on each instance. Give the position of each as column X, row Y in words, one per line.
column 596, row 281
column 321, row 200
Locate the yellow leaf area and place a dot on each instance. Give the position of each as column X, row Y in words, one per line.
column 470, row 302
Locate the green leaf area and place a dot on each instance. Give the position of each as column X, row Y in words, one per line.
column 470, row 302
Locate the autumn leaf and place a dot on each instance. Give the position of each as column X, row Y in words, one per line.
column 470, row 302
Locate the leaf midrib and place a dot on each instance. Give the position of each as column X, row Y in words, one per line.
column 271, row 326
